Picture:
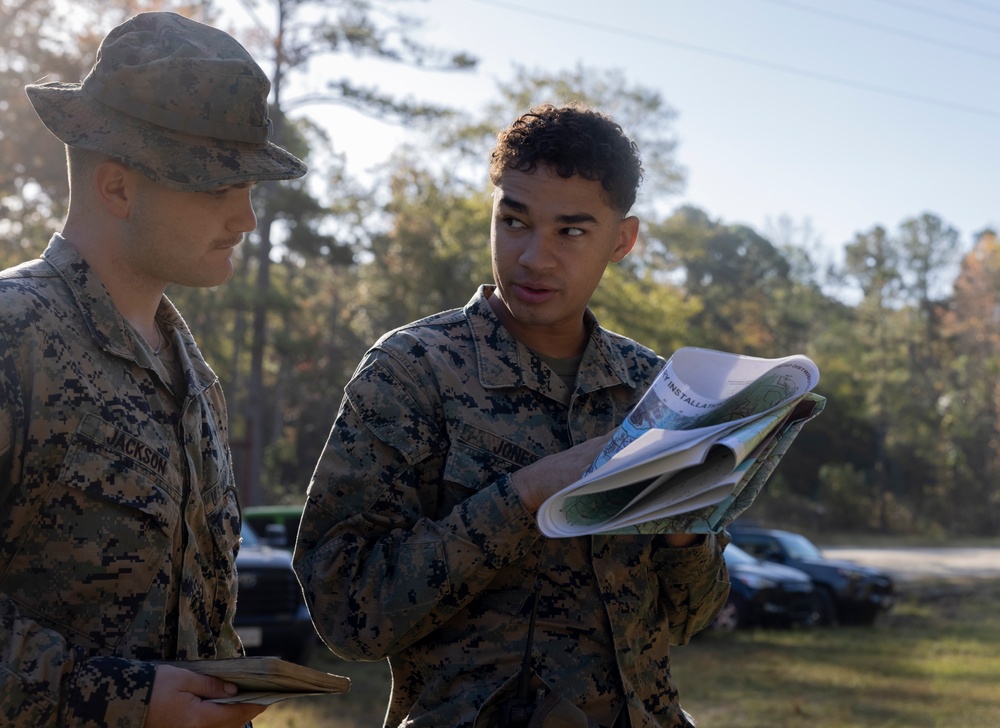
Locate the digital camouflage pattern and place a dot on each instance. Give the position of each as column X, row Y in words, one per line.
column 119, row 521
column 180, row 101
column 414, row 544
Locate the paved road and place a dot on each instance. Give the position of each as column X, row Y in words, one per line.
column 916, row 563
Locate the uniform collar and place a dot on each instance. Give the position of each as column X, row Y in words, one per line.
column 106, row 324
column 505, row 362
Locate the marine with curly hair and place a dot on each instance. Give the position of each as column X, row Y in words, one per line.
column 418, row 542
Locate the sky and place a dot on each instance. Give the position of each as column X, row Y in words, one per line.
column 839, row 116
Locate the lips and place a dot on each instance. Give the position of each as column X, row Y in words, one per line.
column 533, row 292
column 229, row 243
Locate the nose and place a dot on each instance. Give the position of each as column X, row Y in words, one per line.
column 536, row 254
column 242, row 218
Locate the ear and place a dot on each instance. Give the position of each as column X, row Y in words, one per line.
column 628, row 232
column 114, row 187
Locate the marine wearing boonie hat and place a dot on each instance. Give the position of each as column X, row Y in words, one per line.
column 180, row 101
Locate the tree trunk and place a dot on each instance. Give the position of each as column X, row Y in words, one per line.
column 256, row 396
column 256, row 405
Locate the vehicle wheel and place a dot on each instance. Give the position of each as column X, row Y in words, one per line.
column 731, row 616
column 825, row 607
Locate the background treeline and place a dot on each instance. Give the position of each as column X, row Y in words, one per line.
column 905, row 327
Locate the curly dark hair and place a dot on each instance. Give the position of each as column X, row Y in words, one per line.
column 572, row 140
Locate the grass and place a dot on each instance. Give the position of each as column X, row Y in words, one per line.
column 930, row 663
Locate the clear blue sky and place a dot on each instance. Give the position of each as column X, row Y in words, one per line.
column 845, row 114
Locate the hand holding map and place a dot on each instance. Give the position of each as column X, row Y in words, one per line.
column 695, row 451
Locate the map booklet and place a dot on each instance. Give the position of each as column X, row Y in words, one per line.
column 695, row 451
column 264, row 680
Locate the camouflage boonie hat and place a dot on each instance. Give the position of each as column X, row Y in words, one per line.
column 182, row 102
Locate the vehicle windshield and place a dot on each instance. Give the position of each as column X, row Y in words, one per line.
column 735, row 555
column 799, row 547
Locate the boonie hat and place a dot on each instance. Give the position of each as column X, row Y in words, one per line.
column 180, row 101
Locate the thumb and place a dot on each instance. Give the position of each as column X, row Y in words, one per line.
column 207, row 686
column 193, row 683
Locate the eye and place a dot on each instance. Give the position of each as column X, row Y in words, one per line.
column 512, row 223
column 573, row 232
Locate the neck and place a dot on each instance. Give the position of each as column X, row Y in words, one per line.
column 136, row 299
column 557, row 342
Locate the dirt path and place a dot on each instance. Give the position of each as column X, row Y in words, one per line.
column 917, row 563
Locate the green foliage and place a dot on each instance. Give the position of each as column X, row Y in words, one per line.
column 33, row 187
column 295, row 227
column 315, row 32
column 433, row 256
column 638, row 307
column 748, row 301
column 909, row 441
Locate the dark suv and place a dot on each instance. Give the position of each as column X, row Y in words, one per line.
column 271, row 616
column 765, row 594
column 848, row 593
column 276, row 525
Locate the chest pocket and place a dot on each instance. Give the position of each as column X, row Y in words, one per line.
column 477, row 458
column 100, row 541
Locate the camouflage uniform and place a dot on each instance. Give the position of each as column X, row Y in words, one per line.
column 414, row 544
column 119, row 521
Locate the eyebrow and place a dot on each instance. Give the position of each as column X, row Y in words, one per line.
column 513, row 204
column 573, row 219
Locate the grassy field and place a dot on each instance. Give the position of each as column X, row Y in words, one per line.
column 933, row 662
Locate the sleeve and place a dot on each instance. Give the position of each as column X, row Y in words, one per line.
column 9, row 402
column 44, row 681
column 694, row 584
column 386, row 552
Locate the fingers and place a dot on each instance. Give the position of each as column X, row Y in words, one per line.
column 209, row 687
column 181, row 697
column 185, row 681
column 536, row 482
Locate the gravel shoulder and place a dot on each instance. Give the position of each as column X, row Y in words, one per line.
column 921, row 563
